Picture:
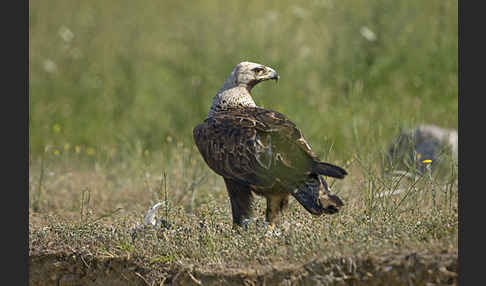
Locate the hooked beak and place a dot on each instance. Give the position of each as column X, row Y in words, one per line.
column 269, row 74
column 274, row 75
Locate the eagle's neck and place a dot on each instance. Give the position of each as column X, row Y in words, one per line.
column 229, row 98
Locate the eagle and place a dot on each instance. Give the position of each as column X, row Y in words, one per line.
column 259, row 151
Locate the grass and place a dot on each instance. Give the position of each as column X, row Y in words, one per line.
column 133, row 74
column 115, row 88
column 92, row 209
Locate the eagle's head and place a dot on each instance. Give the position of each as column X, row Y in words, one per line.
column 248, row 74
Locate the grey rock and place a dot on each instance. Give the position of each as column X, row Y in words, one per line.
column 425, row 142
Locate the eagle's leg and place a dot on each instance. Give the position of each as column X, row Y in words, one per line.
column 241, row 200
column 276, row 203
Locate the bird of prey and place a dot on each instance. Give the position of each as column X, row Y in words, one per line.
column 260, row 151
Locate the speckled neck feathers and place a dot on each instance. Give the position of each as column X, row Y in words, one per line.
column 235, row 92
column 227, row 98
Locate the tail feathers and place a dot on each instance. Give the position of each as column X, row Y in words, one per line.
column 329, row 170
column 307, row 194
column 331, row 203
column 316, row 198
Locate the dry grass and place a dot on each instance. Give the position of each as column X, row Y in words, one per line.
column 91, row 209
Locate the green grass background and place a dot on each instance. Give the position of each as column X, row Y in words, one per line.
column 134, row 74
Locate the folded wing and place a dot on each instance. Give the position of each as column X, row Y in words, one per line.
column 258, row 147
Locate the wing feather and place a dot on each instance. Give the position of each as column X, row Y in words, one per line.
column 255, row 146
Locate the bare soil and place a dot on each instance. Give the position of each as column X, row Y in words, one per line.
column 407, row 268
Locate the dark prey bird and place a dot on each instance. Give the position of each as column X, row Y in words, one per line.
column 261, row 151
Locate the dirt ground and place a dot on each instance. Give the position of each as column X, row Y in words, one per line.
column 392, row 269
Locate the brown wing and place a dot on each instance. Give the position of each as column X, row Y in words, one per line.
column 255, row 146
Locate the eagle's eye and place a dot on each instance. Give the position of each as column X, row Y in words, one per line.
column 258, row 70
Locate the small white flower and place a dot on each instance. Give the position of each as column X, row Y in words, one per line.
column 49, row 66
column 299, row 12
column 66, row 34
column 271, row 16
column 75, row 53
column 368, row 34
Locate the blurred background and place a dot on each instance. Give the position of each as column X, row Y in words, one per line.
column 118, row 76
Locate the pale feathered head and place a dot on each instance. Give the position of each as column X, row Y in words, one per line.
column 248, row 74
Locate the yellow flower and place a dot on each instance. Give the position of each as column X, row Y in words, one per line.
column 90, row 151
column 56, row 128
column 56, row 152
column 77, row 149
column 427, row 161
